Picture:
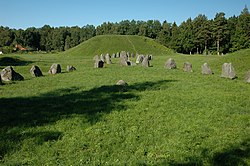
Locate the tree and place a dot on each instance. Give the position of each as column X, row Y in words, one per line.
column 6, row 36
column 241, row 37
column 202, row 33
column 164, row 36
column 220, row 32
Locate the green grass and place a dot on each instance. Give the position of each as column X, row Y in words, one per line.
column 164, row 117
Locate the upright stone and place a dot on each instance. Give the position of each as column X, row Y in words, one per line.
column 102, row 57
column 228, row 71
column 107, row 58
column 98, row 63
column 132, row 55
column 128, row 54
column 118, row 55
column 124, row 60
column 150, row 57
column 139, row 59
column 124, row 54
column 145, row 61
column 70, row 68
column 35, row 71
column 206, row 70
column 113, row 55
column 247, row 78
column 9, row 74
column 55, row 68
column 187, row 67
column 170, row 64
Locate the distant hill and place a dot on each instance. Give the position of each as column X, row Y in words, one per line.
column 116, row 43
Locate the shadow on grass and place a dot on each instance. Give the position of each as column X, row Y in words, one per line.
column 20, row 113
column 233, row 156
column 13, row 61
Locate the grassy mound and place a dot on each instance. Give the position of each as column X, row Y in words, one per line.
column 116, row 43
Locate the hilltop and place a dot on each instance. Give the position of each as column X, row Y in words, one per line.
column 116, row 43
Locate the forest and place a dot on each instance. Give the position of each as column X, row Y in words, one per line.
column 200, row 35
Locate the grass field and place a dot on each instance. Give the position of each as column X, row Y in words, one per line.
column 163, row 117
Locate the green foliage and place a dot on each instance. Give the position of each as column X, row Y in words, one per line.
column 163, row 117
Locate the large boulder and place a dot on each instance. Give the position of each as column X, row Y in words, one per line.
column 70, row 68
column 187, row 67
column 9, row 74
column 122, row 83
column 228, row 71
column 35, row 71
column 107, row 58
column 206, row 70
column 55, row 68
column 170, row 64
column 145, row 61
column 247, row 78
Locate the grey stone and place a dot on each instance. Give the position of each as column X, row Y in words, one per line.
column 206, row 70
column 98, row 63
column 228, row 71
column 187, row 67
column 123, row 54
column 139, row 59
column 113, row 55
column 9, row 74
column 35, row 71
column 145, row 61
column 70, row 68
column 118, row 55
column 122, row 83
column 150, row 57
column 247, row 78
column 107, row 58
column 124, row 61
column 55, row 68
column 170, row 64
column 102, row 57
column 132, row 55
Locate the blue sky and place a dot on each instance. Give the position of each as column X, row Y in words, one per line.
column 36, row 13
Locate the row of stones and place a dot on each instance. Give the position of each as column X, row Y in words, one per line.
column 228, row 70
column 99, row 61
column 9, row 74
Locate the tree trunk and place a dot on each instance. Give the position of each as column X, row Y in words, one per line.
column 197, row 50
column 218, row 47
column 205, row 51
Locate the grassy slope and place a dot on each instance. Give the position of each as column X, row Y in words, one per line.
column 162, row 117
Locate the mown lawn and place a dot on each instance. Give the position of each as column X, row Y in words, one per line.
column 163, row 117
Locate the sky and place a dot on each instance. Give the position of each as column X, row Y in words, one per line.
column 37, row 13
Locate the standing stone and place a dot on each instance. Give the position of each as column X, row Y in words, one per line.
column 205, row 69
column 98, row 63
column 124, row 60
column 118, row 55
column 170, row 64
column 247, row 78
column 123, row 53
column 139, row 59
column 122, row 83
column 35, row 71
column 9, row 74
column 70, row 68
column 145, row 61
column 128, row 54
column 228, row 71
column 107, row 58
column 55, row 68
column 102, row 57
column 187, row 67
column 113, row 55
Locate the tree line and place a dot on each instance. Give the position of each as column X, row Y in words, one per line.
column 199, row 35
